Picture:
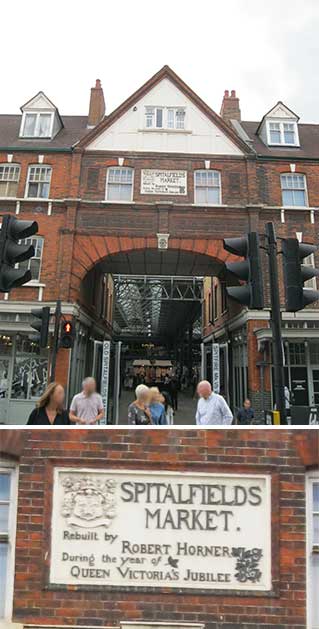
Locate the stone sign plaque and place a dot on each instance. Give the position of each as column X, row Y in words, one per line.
column 164, row 182
column 161, row 529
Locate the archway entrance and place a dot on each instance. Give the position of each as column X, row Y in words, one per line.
column 156, row 314
column 157, row 293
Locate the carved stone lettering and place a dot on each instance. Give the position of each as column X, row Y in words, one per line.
column 115, row 528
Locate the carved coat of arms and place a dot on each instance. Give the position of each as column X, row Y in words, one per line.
column 88, row 502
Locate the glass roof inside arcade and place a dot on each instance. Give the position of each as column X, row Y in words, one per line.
column 158, row 293
column 157, row 307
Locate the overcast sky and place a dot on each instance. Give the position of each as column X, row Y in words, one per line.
column 268, row 50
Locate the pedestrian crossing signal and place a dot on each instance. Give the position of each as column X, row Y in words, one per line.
column 67, row 335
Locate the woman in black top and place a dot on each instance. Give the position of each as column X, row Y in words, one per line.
column 49, row 410
column 138, row 412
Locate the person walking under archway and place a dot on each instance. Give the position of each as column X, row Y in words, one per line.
column 139, row 413
column 87, row 406
column 212, row 408
column 50, row 410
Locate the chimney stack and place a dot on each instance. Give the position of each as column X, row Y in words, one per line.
column 230, row 106
column 97, row 105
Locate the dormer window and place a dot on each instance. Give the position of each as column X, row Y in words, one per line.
column 282, row 133
column 40, row 118
column 165, row 118
column 279, row 127
column 37, row 125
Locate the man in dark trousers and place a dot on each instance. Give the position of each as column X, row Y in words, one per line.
column 245, row 414
column 174, row 392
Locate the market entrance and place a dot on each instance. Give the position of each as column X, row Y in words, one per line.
column 157, row 318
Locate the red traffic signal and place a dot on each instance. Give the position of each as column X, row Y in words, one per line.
column 67, row 334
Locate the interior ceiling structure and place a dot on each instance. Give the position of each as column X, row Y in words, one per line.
column 156, row 306
column 158, row 293
column 161, row 262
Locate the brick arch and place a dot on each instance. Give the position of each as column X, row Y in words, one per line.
column 90, row 250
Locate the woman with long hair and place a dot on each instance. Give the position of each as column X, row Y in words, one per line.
column 169, row 413
column 50, row 410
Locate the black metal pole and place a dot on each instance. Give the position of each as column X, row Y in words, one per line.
column 277, row 346
column 55, row 339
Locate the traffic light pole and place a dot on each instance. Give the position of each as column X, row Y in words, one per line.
column 56, row 339
column 277, row 345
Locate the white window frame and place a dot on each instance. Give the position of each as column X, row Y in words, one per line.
column 281, row 130
column 13, row 470
column 165, row 111
column 312, row 282
column 107, row 184
column 40, row 166
column 202, row 170
column 39, row 238
column 37, row 124
column 311, row 478
column 7, row 181
column 305, row 189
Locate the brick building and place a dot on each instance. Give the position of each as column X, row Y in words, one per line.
column 151, row 190
column 99, row 484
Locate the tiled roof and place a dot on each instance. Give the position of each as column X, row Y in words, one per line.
column 308, row 137
column 74, row 129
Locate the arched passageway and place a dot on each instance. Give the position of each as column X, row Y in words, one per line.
column 157, row 303
column 158, row 294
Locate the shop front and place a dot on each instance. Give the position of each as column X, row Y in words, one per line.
column 23, row 376
column 301, row 365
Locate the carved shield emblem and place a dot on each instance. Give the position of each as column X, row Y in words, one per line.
column 88, row 502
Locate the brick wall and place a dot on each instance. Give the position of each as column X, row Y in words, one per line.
column 233, row 176
column 246, row 183
column 251, row 451
column 61, row 164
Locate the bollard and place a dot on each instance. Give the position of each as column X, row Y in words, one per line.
column 276, row 418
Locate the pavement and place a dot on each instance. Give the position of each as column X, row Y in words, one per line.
column 185, row 415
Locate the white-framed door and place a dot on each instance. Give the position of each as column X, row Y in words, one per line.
column 312, row 501
column 315, row 385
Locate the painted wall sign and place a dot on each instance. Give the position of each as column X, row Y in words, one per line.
column 165, row 529
column 164, row 182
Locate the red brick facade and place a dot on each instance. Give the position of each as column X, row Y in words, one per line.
column 80, row 229
column 278, row 453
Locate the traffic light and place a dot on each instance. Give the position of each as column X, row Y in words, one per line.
column 41, row 325
column 67, row 334
column 12, row 252
column 249, row 270
column 296, row 273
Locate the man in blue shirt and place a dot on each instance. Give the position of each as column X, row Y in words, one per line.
column 246, row 414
